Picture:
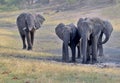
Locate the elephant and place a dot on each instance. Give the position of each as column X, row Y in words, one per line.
column 91, row 31
column 27, row 25
column 108, row 28
column 70, row 37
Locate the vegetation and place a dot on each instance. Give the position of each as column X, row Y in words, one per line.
column 15, row 70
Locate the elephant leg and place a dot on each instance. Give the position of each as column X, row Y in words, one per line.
column 94, row 49
column 84, row 49
column 88, row 53
column 100, row 46
column 65, row 53
column 32, row 37
column 28, row 35
column 79, row 50
column 23, row 40
column 73, row 49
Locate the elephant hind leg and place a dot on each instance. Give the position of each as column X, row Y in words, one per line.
column 28, row 35
column 23, row 40
column 79, row 56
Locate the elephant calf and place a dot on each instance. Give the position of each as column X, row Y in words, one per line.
column 27, row 24
column 70, row 37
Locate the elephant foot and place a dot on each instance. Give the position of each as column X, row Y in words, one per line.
column 67, row 61
column 72, row 61
column 24, row 47
column 78, row 57
column 94, row 61
column 101, row 55
column 85, row 62
column 29, row 48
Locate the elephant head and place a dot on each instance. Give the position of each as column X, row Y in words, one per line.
column 59, row 29
column 38, row 20
column 105, row 26
column 107, row 31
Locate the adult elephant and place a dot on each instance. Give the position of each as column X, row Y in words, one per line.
column 91, row 31
column 69, row 35
column 108, row 28
column 27, row 24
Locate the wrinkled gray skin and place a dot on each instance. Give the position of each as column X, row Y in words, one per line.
column 69, row 35
column 91, row 31
column 27, row 24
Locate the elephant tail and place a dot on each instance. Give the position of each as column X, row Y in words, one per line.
column 26, row 24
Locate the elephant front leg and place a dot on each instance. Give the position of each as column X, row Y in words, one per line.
column 100, row 46
column 94, row 49
column 88, row 53
column 84, row 49
column 23, row 40
column 29, row 41
column 79, row 50
column 100, row 49
column 65, row 53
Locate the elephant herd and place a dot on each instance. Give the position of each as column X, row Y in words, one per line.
column 87, row 36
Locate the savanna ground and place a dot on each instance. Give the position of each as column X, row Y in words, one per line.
column 43, row 64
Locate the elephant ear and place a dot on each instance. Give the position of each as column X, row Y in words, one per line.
column 59, row 30
column 39, row 19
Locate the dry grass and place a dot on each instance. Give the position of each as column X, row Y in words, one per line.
column 20, row 71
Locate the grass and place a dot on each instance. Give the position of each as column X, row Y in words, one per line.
column 22, row 71
column 9, row 45
column 22, row 66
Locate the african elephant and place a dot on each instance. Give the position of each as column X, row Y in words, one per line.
column 69, row 35
column 108, row 28
column 27, row 25
column 92, row 30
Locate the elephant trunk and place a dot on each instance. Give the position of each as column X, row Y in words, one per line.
column 107, row 36
column 107, row 31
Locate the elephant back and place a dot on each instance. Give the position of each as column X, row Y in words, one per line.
column 21, row 22
column 30, row 22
